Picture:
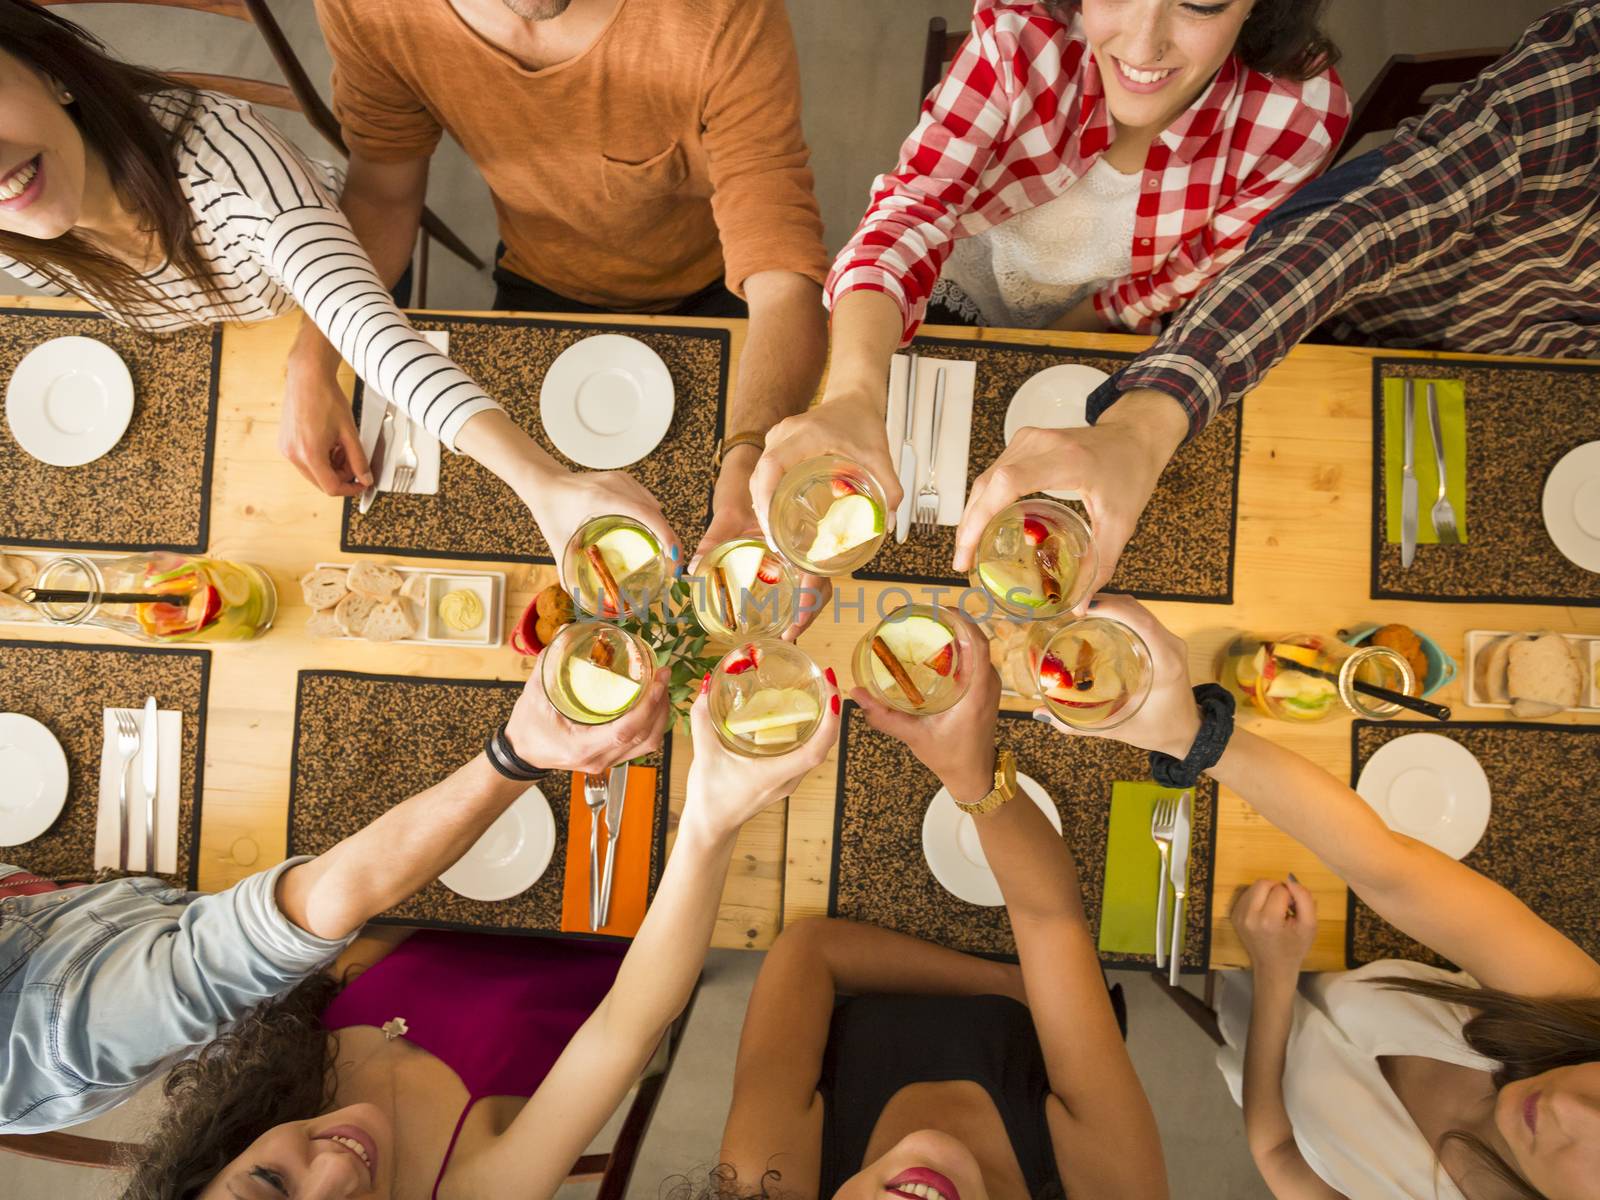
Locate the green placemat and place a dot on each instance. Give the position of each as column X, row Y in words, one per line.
column 1133, row 866
column 1452, row 399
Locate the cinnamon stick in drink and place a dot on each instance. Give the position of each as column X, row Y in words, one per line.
column 608, row 581
column 601, row 653
column 1083, row 669
column 1050, row 571
column 724, row 597
column 894, row 666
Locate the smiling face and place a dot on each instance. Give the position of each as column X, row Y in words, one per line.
column 924, row 1166
column 42, row 156
column 1552, row 1124
column 1157, row 56
column 347, row 1154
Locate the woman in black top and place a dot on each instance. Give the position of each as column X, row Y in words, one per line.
column 944, row 1077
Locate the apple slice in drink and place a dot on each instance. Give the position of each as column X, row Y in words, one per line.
column 625, row 551
column 743, row 567
column 1014, row 582
column 604, row 693
column 851, row 521
column 773, row 709
column 925, row 648
column 780, row 736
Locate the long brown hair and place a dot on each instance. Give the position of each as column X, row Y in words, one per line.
column 272, row 1066
column 109, row 106
column 1525, row 1036
column 1280, row 37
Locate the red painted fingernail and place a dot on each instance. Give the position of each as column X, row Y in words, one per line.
column 832, row 678
column 705, row 684
column 835, row 702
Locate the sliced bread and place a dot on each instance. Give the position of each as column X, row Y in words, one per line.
column 324, row 624
column 352, row 613
column 375, row 580
column 1490, row 669
column 391, row 621
column 324, row 587
column 1543, row 676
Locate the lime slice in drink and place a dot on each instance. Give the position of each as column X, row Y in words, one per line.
column 231, row 583
column 772, row 708
column 741, row 565
column 1013, row 582
column 849, row 522
column 625, row 551
column 602, row 692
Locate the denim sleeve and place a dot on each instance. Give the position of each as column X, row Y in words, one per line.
column 119, row 989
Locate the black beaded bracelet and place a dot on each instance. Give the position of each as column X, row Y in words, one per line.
column 506, row 760
column 1216, row 727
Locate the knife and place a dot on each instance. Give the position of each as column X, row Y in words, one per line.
column 1180, row 882
column 616, row 796
column 375, row 459
column 149, row 769
column 1408, row 482
column 908, row 458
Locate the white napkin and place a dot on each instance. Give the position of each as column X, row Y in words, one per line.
column 107, row 830
column 955, row 433
column 424, row 443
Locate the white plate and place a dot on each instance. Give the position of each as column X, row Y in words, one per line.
column 1055, row 398
column 69, row 401
column 607, row 401
column 1431, row 788
column 1572, row 505
column 511, row 855
column 35, row 771
column 950, row 844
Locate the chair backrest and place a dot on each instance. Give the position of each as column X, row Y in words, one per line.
column 1410, row 84
column 937, row 54
column 69, row 1148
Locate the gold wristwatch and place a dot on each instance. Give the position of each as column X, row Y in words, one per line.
column 1005, row 786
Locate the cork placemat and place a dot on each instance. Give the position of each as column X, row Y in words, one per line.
column 67, row 687
column 881, row 876
column 153, row 489
column 1183, row 548
column 1521, row 419
column 1542, row 833
column 364, row 743
column 474, row 515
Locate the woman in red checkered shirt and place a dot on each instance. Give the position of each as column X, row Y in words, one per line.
column 1086, row 165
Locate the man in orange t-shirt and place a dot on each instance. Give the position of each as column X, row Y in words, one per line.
column 642, row 157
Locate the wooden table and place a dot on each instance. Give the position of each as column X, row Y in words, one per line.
column 1302, row 563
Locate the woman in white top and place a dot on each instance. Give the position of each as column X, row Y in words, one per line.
column 1397, row 1080
column 165, row 208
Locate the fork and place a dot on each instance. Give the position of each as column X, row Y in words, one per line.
column 594, row 795
column 1163, row 824
column 928, row 497
column 127, row 748
column 405, row 467
column 1442, row 516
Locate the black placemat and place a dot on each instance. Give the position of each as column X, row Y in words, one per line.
column 1521, row 419
column 364, row 743
column 1543, row 826
column 67, row 687
column 153, row 489
column 880, row 875
column 1183, row 548
column 475, row 516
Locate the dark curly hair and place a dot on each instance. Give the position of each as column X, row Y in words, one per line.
column 273, row 1065
column 722, row 1183
column 1280, row 37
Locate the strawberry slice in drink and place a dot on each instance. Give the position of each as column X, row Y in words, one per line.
column 842, row 487
column 943, row 660
column 1034, row 531
column 749, row 658
column 770, row 570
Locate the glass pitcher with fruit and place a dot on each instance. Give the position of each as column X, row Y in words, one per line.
column 1306, row 677
column 161, row 597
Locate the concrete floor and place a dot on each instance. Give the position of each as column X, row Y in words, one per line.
column 861, row 64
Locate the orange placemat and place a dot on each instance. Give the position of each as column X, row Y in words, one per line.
column 630, row 887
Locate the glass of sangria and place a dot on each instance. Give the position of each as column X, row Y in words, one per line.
column 615, row 566
column 766, row 698
column 1036, row 560
column 594, row 672
column 1093, row 673
column 912, row 660
column 827, row 516
column 744, row 590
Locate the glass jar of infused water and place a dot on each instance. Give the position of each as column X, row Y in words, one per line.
column 1307, row 677
column 160, row 597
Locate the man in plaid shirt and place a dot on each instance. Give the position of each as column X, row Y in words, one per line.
column 1477, row 229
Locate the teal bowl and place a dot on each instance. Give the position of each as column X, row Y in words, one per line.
column 1441, row 667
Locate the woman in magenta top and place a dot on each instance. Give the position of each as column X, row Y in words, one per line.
column 459, row 1063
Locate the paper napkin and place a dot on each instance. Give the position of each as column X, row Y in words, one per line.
column 955, row 431
column 1453, row 428
column 424, row 443
column 630, row 885
column 1133, row 865
column 107, row 831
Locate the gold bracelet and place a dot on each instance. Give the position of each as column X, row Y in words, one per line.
column 748, row 438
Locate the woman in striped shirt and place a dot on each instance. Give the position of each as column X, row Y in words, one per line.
column 1086, row 164
column 166, row 208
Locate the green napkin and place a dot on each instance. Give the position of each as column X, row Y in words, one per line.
column 1133, row 864
column 1453, row 427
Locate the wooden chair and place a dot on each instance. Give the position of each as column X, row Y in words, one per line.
column 939, row 52
column 612, row 1170
column 1203, row 1012
column 1408, row 85
column 295, row 94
